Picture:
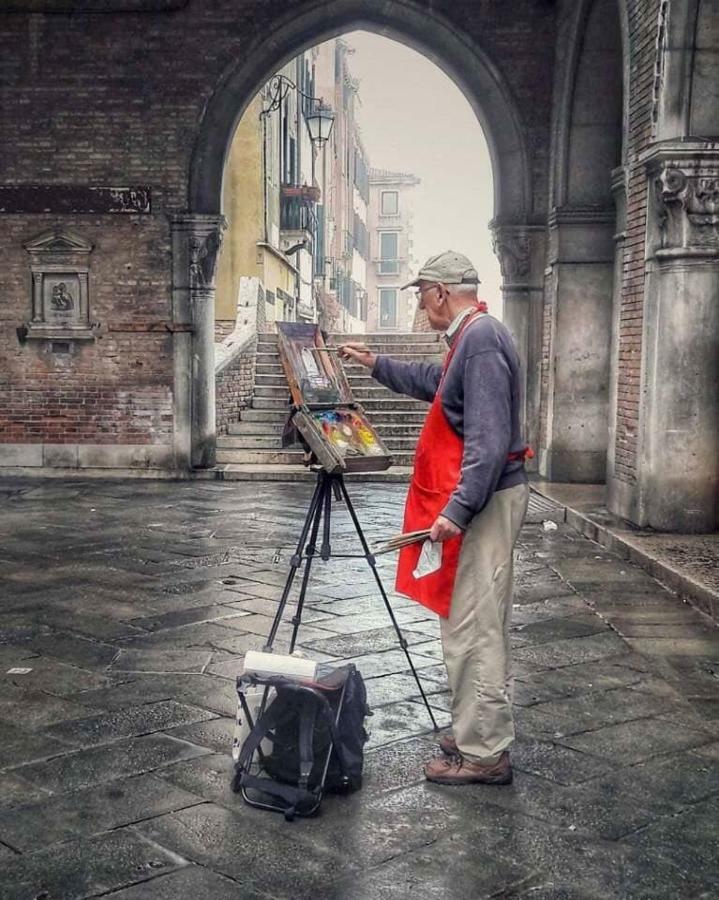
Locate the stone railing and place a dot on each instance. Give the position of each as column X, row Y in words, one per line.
column 234, row 381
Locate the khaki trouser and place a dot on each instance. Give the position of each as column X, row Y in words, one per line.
column 475, row 637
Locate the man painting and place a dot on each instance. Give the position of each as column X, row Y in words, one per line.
column 469, row 486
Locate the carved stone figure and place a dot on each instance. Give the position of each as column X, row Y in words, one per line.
column 688, row 206
column 203, row 258
column 62, row 300
column 512, row 249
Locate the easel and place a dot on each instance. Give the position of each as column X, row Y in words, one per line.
column 331, row 485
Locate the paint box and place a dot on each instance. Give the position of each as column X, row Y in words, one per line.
column 331, row 423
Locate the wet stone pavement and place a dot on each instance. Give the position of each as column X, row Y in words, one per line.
column 126, row 610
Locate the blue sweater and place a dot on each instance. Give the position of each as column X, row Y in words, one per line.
column 481, row 400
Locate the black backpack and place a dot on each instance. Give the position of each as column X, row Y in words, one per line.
column 317, row 734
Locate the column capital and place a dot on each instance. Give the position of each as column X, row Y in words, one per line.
column 204, row 238
column 513, row 246
column 684, row 180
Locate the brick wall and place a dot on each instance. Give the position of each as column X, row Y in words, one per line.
column 233, row 387
column 116, row 388
column 643, row 23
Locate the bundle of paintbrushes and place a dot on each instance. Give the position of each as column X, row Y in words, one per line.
column 402, row 540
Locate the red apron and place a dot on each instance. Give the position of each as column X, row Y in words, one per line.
column 437, row 467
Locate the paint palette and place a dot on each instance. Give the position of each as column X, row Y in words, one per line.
column 330, row 423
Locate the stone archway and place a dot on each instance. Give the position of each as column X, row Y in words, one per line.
column 429, row 34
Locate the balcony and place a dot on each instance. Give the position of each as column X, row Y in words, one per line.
column 297, row 211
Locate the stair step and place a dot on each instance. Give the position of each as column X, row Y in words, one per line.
column 272, row 442
column 370, row 391
column 262, row 472
column 396, row 404
column 273, row 430
column 286, row 457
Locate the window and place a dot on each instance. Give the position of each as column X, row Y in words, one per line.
column 388, row 308
column 389, row 203
column 388, row 261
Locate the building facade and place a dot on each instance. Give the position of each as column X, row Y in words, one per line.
column 603, row 126
column 265, row 272
column 392, row 262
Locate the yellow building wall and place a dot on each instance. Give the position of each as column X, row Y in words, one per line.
column 243, row 204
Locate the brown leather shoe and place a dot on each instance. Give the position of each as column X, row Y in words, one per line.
column 459, row 770
column 448, row 745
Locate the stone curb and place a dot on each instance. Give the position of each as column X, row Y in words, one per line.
column 698, row 595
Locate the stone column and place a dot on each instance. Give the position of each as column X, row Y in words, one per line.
column 520, row 250
column 619, row 191
column 579, row 275
column 678, row 465
column 196, row 241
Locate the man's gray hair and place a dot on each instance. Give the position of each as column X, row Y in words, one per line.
column 467, row 290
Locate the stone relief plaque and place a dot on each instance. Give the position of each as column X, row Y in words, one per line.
column 71, row 199
column 59, row 264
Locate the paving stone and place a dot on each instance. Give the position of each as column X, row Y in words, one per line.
column 400, row 686
column 399, row 764
column 189, row 883
column 215, row 734
column 204, row 691
column 635, row 741
column 591, row 711
column 74, row 650
column 102, row 807
column 162, row 661
column 268, row 608
column 15, row 791
column 451, row 869
column 194, row 638
column 85, row 767
column 232, row 844
column 210, row 777
column 558, row 629
column 571, row 651
column 18, row 745
column 388, row 662
column 605, row 870
column 188, row 616
column 127, row 722
column 398, row 720
column 372, row 641
column 554, row 762
column 38, row 709
column 86, row 868
column 688, row 841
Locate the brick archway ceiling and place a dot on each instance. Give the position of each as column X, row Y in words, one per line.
column 423, row 30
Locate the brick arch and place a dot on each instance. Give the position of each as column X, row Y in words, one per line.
column 421, row 29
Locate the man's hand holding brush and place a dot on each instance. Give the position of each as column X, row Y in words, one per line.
column 359, row 353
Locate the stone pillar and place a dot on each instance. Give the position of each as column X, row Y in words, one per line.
column 619, row 191
column 520, row 250
column 580, row 276
column 678, row 465
column 196, row 241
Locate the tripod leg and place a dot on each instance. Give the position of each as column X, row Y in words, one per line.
column 309, row 556
column 296, row 561
column 373, row 565
column 326, row 550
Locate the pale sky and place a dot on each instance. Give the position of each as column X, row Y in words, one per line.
column 415, row 119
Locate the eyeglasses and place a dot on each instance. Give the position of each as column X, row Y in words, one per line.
column 418, row 293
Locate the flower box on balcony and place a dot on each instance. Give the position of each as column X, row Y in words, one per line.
column 308, row 192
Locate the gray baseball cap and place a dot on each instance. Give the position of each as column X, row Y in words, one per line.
column 448, row 267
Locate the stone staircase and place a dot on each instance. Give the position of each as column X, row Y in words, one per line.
column 252, row 449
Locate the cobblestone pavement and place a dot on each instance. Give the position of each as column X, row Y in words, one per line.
column 127, row 607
